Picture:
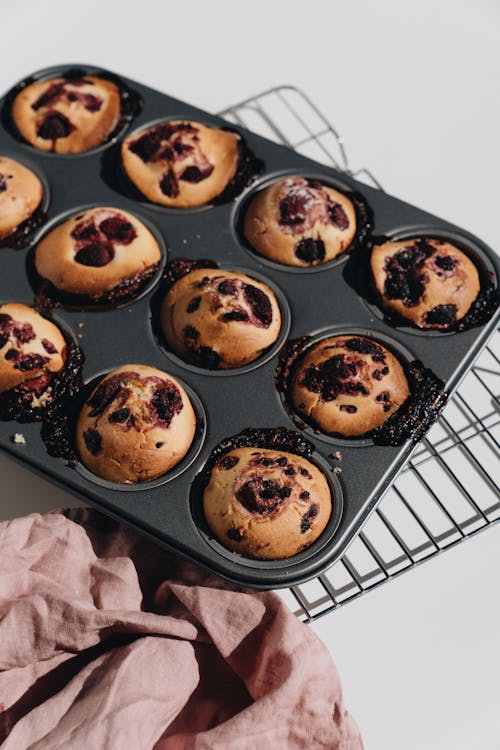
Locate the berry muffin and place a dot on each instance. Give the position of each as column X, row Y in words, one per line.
column 21, row 194
column 67, row 115
column 265, row 503
column 181, row 164
column 428, row 281
column 136, row 425
column 32, row 352
column 300, row 222
column 99, row 255
column 347, row 385
column 219, row 319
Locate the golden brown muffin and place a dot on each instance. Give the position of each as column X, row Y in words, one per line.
column 220, row 319
column 430, row 282
column 21, row 193
column 347, row 385
column 136, row 425
column 181, row 164
column 32, row 350
column 266, row 503
column 100, row 253
column 67, row 115
column 300, row 222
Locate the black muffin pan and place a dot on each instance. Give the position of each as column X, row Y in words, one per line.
column 326, row 299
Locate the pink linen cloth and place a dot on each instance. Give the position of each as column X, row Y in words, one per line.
column 108, row 642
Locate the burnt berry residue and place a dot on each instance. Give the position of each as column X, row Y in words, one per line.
column 177, row 268
column 272, row 438
column 422, row 408
column 248, row 169
column 49, row 297
column 483, row 308
column 57, row 423
column 21, row 235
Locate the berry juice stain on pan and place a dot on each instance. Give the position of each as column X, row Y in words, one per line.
column 330, row 299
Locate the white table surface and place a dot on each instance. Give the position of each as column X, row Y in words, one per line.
column 413, row 87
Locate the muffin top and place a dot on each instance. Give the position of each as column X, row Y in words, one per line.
column 95, row 251
column 136, row 425
column 180, row 163
column 428, row 281
column 300, row 222
column 220, row 319
column 347, row 385
column 20, row 195
column 30, row 346
column 67, row 115
column 266, row 503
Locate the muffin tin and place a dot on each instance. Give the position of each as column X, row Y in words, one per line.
column 322, row 300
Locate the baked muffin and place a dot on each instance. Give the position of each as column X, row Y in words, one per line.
column 347, row 385
column 103, row 254
column 136, row 425
column 265, row 503
column 300, row 222
column 67, row 115
column 428, row 281
column 181, row 164
column 21, row 193
column 32, row 352
column 219, row 319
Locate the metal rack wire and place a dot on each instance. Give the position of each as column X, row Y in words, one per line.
column 448, row 490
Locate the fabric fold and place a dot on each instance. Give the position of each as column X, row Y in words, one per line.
column 108, row 641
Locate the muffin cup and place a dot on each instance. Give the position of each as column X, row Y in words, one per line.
column 130, row 105
column 49, row 296
column 264, row 357
column 176, row 471
column 335, row 486
column 362, row 279
column 364, row 219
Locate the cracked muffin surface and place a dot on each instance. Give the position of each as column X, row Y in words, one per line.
column 32, row 351
column 220, row 319
column 347, row 385
column 265, row 503
column 98, row 253
column 428, row 281
column 67, row 115
column 181, row 163
column 137, row 424
column 21, row 194
column 300, row 222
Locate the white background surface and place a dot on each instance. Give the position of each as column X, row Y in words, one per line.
column 413, row 87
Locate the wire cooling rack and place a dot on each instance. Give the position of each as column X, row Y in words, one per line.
column 448, row 490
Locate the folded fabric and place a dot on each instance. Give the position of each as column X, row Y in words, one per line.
column 109, row 642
